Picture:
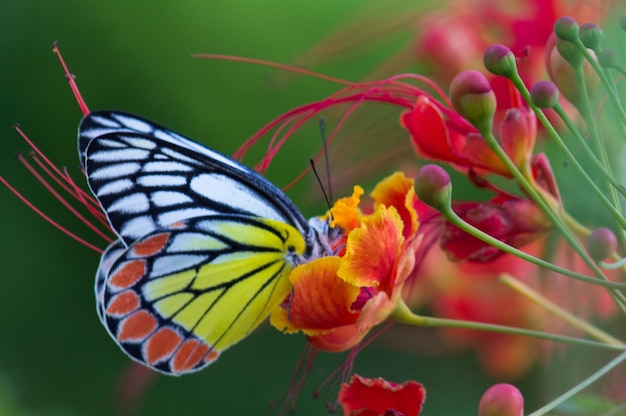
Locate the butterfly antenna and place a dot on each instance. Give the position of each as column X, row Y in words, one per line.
column 314, row 169
column 325, row 143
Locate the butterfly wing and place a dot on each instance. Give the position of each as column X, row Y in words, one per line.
column 146, row 177
column 179, row 296
column 205, row 247
column 112, row 253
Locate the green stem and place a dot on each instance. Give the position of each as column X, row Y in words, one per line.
column 580, row 386
column 550, row 306
column 453, row 218
column 404, row 315
column 540, row 199
column 598, row 164
column 587, row 112
column 536, row 196
column 596, row 67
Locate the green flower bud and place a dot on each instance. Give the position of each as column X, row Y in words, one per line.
column 566, row 28
column 591, row 36
column 544, row 94
column 499, row 60
column 601, row 243
column 433, row 187
column 473, row 98
column 569, row 52
column 606, row 58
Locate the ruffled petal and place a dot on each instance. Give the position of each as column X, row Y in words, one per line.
column 373, row 397
column 397, row 191
column 320, row 300
column 345, row 213
column 372, row 250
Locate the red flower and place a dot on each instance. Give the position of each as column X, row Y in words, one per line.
column 514, row 221
column 374, row 397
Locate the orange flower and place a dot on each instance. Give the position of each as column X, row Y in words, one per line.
column 337, row 299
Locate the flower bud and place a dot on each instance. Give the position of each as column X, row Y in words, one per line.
column 433, row 187
column 606, row 58
column 566, row 28
column 499, row 60
column 473, row 98
column 501, row 400
column 561, row 71
column 591, row 36
column 569, row 52
column 517, row 132
column 544, row 94
column 601, row 243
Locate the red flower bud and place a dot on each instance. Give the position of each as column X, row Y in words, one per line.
column 501, row 400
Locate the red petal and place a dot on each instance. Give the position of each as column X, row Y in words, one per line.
column 430, row 142
column 377, row 396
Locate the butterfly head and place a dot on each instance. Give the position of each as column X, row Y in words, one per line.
column 323, row 239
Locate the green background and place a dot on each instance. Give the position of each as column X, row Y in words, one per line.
column 55, row 358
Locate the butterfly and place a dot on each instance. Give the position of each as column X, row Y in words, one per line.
column 205, row 244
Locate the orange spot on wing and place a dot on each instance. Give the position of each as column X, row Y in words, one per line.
column 137, row 326
column 123, row 304
column 161, row 345
column 212, row 356
column 189, row 355
column 151, row 245
column 127, row 275
column 178, row 225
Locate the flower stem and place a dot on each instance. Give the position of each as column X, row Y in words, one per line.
column 580, row 386
column 453, row 218
column 550, row 306
column 596, row 67
column 581, row 171
column 404, row 315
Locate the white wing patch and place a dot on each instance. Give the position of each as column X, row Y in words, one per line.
column 146, row 177
column 132, row 204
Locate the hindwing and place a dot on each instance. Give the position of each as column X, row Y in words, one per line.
column 177, row 297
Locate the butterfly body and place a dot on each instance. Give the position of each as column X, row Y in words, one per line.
column 205, row 244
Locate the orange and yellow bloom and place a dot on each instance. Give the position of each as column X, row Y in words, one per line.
column 337, row 299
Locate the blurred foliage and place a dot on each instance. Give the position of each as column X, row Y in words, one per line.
column 55, row 357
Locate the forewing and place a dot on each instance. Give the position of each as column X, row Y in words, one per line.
column 178, row 297
column 146, row 177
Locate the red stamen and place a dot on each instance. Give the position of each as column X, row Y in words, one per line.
column 262, row 62
column 48, row 219
column 343, row 372
column 62, row 181
column 36, row 150
column 302, row 371
column 62, row 200
column 88, row 201
column 390, row 91
column 70, row 79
